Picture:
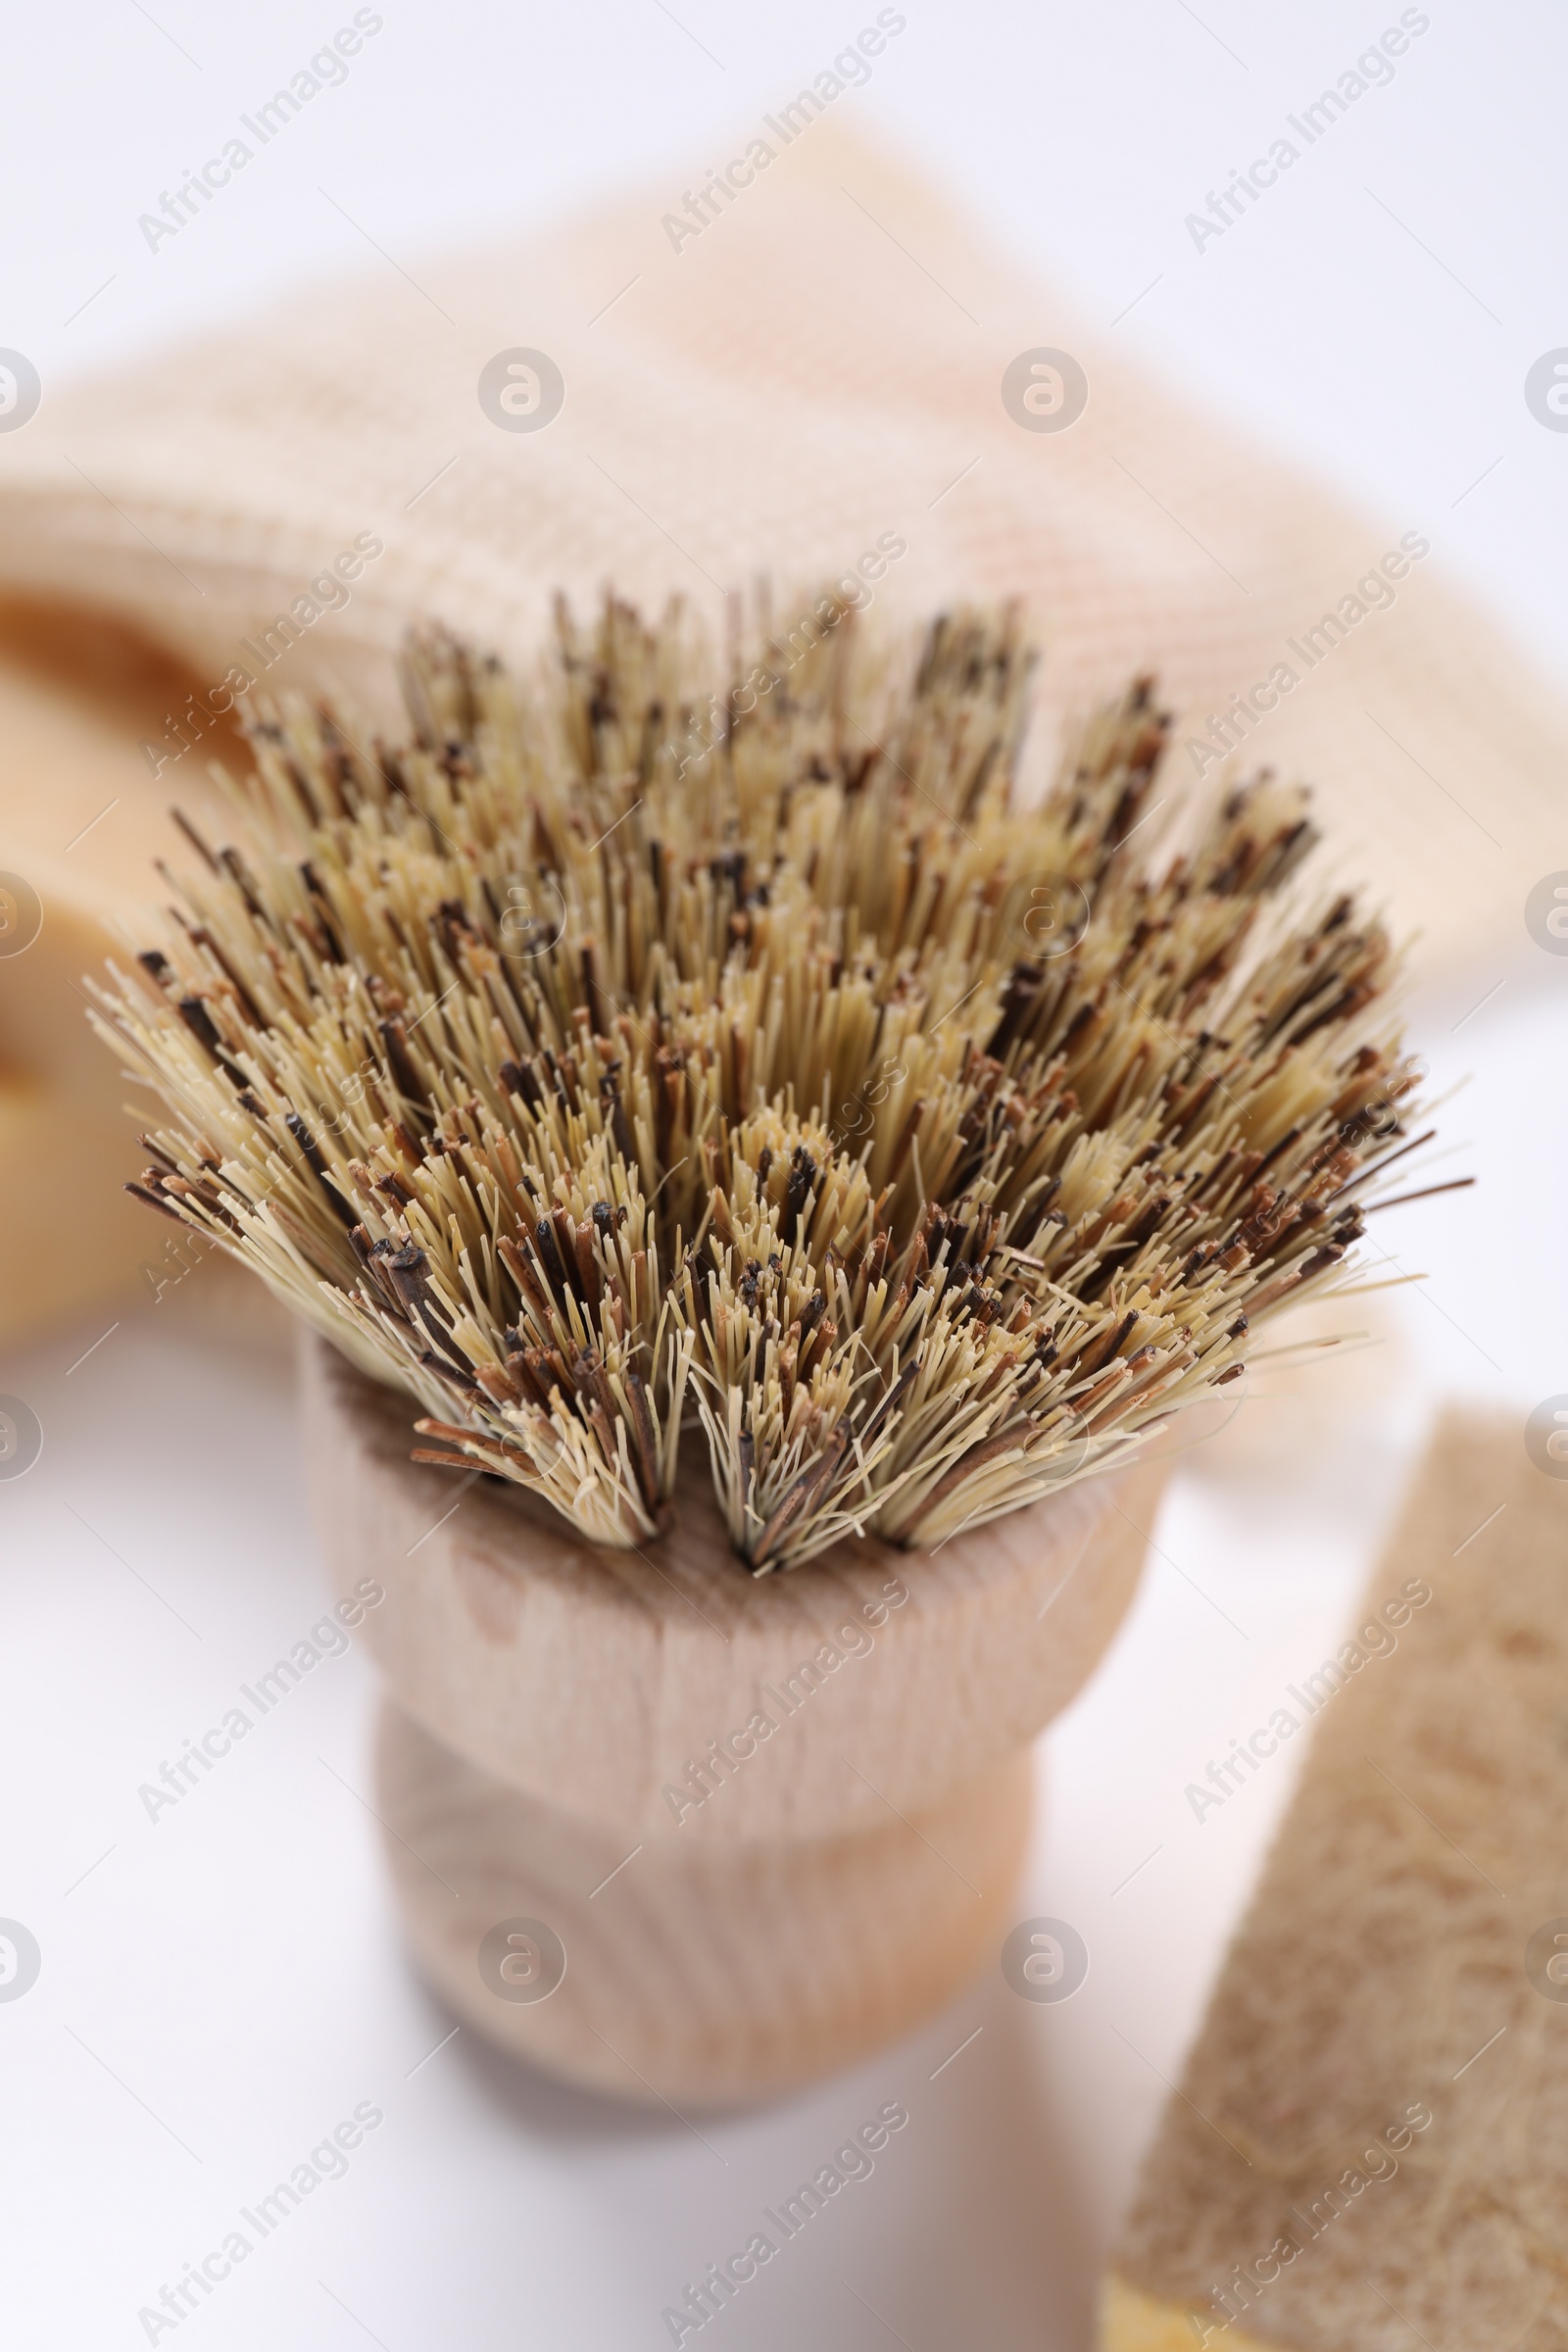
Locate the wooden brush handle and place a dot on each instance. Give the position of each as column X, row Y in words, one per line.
column 697, row 1974
column 575, row 1750
column 595, row 1679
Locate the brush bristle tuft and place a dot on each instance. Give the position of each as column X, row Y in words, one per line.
column 652, row 1043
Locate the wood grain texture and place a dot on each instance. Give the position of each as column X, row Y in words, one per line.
column 700, row 1975
column 595, row 1680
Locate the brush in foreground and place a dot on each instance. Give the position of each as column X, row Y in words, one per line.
column 651, row 1041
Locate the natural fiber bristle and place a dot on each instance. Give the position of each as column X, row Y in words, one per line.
column 654, row 1044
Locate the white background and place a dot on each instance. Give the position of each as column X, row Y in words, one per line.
column 223, row 1987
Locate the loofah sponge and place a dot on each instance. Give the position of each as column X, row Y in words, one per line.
column 1370, row 2145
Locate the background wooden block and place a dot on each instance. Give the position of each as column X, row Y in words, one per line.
column 83, row 820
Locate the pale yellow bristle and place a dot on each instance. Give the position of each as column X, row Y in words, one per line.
column 643, row 1046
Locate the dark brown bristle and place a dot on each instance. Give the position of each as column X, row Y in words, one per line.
column 646, row 1035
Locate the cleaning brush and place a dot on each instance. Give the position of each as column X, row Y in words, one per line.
column 655, row 1041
